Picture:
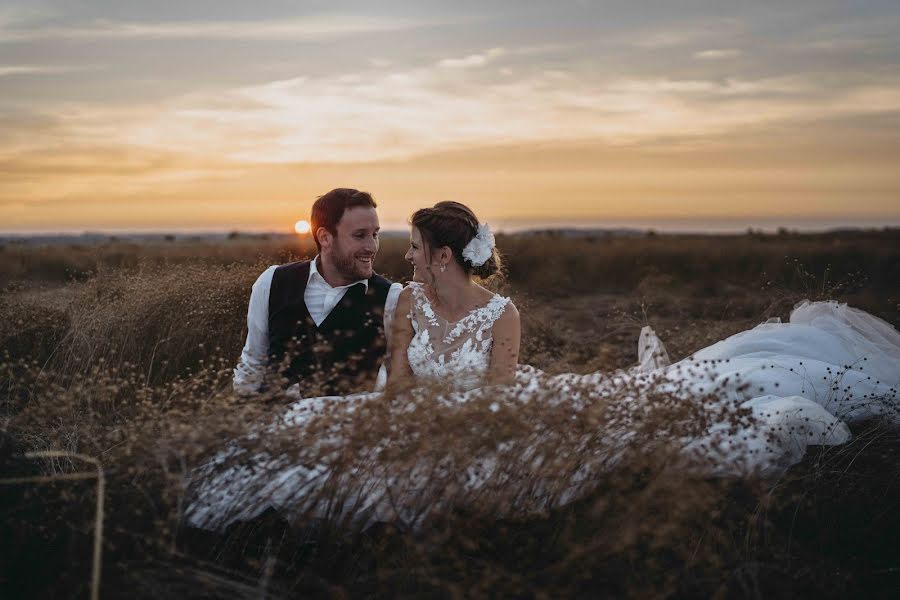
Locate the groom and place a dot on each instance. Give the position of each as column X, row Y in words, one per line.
column 318, row 327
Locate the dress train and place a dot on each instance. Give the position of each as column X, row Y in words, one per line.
column 749, row 404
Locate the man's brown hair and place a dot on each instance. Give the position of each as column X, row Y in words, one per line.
column 329, row 208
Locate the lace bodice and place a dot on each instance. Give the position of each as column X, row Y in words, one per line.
column 451, row 352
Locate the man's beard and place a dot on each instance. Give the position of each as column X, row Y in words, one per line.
column 347, row 265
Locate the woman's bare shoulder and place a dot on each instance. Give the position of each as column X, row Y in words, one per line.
column 510, row 313
column 404, row 300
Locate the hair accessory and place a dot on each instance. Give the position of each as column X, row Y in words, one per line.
column 480, row 247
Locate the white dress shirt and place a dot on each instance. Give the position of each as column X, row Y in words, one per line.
column 320, row 299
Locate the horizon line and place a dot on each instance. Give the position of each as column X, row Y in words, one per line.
column 662, row 224
column 113, row 232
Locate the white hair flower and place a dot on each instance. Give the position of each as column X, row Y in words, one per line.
column 480, row 247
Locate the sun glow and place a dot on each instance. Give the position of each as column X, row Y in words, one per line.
column 302, row 227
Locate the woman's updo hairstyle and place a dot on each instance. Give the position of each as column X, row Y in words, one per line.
column 454, row 225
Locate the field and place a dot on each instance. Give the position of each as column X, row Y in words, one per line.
column 122, row 351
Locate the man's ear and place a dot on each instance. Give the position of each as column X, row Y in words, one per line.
column 324, row 236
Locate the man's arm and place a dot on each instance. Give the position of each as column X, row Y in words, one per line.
column 250, row 372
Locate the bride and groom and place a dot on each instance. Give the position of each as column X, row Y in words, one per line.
column 754, row 402
column 332, row 326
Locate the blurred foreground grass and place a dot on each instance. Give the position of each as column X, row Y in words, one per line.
column 123, row 351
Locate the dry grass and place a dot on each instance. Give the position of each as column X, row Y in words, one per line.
column 123, row 353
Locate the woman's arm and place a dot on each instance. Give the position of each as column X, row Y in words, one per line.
column 400, row 375
column 507, row 334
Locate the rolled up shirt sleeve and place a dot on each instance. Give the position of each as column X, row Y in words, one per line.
column 250, row 372
column 390, row 305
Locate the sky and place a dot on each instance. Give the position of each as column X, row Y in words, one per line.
column 679, row 115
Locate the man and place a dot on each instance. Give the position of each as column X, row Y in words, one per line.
column 318, row 327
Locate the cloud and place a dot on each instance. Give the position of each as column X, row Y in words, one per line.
column 396, row 115
column 717, row 54
column 18, row 15
column 714, row 88
column 300, row 28
column 472, row 60
column 8, row 70
column 464, row 99
column 681, row 34
column 867, row 35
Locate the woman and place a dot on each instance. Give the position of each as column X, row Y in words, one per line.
column 451, row 328
column 526, row 441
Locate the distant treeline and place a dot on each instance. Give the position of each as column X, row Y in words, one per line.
column 537, row 262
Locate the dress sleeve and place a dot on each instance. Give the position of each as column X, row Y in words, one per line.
column 250, row 372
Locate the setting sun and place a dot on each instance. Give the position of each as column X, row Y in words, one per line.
column 302, row 227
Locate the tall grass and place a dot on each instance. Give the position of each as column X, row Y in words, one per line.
column 123, row 353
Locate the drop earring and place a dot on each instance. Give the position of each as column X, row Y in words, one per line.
column 443, row 267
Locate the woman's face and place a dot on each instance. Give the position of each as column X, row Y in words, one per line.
column 416, row 256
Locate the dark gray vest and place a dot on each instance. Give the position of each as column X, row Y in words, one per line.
column 340, row 356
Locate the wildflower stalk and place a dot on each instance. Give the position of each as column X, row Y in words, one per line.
column 98, row 515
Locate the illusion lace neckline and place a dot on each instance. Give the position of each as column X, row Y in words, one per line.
column 431, row 314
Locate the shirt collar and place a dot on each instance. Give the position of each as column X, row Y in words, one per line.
column 314, row 272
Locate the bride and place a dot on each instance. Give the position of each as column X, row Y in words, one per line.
column 461, row 423
column 450, row 326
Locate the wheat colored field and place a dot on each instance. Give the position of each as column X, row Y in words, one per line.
column 121, row 352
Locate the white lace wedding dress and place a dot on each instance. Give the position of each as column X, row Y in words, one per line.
column 441, row 353
column 767, row 394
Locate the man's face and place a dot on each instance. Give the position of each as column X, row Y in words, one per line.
column 352, row 249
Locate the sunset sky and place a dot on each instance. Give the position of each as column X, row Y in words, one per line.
column 226, row 114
